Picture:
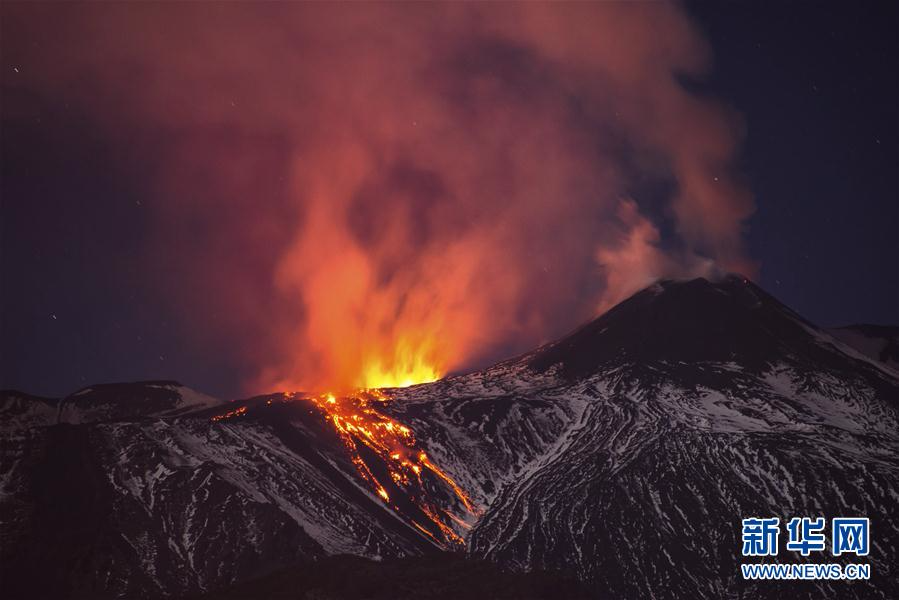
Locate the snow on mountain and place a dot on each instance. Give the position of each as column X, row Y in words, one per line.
column 104, row 402
column 879, row 342
column 714, row 403
column 165, row 505
column 624, row 455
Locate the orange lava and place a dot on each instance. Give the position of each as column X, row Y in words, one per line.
column 357, row 420
column 237, row 412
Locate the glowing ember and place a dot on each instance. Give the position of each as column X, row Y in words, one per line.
column 357, row 420
column 237, row 412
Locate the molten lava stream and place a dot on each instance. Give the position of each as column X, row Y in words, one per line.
column 365, row 431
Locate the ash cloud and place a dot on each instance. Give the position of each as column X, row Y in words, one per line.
column 344, row 191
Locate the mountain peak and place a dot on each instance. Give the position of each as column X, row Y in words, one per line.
column 697, row 320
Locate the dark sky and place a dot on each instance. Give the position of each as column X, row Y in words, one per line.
column 816, row 86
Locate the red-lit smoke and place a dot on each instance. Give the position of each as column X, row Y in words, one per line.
column 374, row 194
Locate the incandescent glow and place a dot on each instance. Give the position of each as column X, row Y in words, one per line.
column 378, row 377
column 237, row 412
column 386, row 456
column 360, row 423
column 379, row 210
column 400, row 363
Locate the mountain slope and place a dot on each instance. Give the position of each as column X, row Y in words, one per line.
column 879, row 342
column 624, row 455
column 714, row 403
column 105, row 402
column 155, row 506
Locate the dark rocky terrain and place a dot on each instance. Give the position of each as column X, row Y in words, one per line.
column 880, row 342
column 434, row 576
column 623, row 456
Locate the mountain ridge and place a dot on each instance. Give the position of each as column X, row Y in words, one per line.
column 626, row 463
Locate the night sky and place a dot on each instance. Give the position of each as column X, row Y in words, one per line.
column 86, row 284
column 817, row 86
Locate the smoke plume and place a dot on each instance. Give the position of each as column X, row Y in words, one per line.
column 375, row 194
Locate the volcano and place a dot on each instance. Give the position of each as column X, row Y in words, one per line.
column 620, row 458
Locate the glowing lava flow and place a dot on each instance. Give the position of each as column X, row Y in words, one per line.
column 237, row 412
column 356, row 420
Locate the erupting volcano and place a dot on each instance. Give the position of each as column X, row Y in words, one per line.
column 596, row 455
column 365, row 231
column 403, row 206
